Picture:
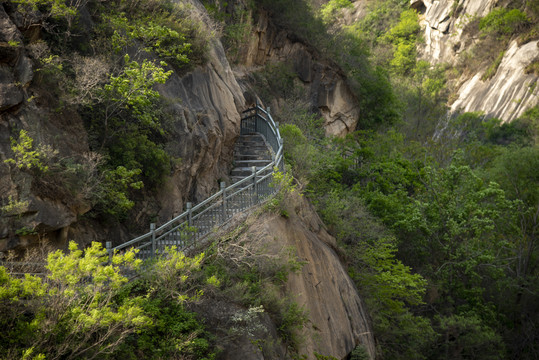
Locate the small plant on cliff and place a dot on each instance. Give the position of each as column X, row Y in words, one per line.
column 503, row 22
column 284, row 182
column 330, row 10
column 26, row 157
column 14, row 206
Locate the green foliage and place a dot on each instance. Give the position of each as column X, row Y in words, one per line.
column 491, row 71
column 284, row 182
column 71, row 313
column 167, row 43
column 51, row 8
column 503, row 21
column 112, row 196
column 25, row 157
column 86, row 308
column 390, row 282
column 133, row 90
column 172, row 274
column 403, row 36
column 404, row 57
column 14, row 206
column 406, row 29
column 136, row 151
column 292, row 136
column 329, row 10
column 359, row 353
column 466, row 336
column 128, row 124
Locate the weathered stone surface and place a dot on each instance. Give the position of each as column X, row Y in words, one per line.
column 8, row 33
column 324, row 83
column 10, row 93
column 444, row 38
column 206, row 104
column 510, row 92
column 337, row 318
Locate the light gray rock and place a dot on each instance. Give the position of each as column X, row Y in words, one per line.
column 510, row 92
column 443, row 31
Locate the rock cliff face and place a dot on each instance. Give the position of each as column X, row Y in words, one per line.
column 337, row 320
column 510, row 91
column 325, row 84
column 203, row 104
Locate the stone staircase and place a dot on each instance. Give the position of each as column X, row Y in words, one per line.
column 251, row 150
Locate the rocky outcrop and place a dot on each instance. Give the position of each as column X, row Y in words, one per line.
column 325, row 84
column 206, row 104
column 510, row 91
column 337, row 320
column 443, row 22
column 204, row 110
column 15, row 67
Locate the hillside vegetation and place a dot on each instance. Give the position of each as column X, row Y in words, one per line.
column 436, row 216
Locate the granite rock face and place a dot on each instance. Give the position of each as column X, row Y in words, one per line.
column 337, row 319
column 324, row 83
column 204, row 107
column 508, row 93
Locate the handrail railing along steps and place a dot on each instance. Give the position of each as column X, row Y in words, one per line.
column 258, row 152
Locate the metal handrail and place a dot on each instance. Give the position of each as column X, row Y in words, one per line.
column 197, row 221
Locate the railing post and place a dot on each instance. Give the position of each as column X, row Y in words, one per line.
column 154, row 245
column 223, row 205
column 108, row 245
column 255, row 187
column 189, row 207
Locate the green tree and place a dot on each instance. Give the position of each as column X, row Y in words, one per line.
column 71, row 313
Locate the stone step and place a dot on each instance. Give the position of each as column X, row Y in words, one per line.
column 259, row 152
column 250, row 141
column 249, row 163
column 240, row 157
column 250, row 146
column 244, row 171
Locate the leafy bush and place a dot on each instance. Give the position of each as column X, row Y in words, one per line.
column 169, row 44
column 71, row 313
column 403, row 36
column 329, row 10
column 112, row 196
column 85, row 308
column 503, row 21
column 406, row 29
column 26, row 157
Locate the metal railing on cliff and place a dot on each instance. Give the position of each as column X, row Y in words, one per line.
column 197, row 221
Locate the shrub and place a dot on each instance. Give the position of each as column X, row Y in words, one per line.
column 112, row 195
column 406, row 29
column 71, row 313
column 26, row 157
column 503, row 21
column 328, row 11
